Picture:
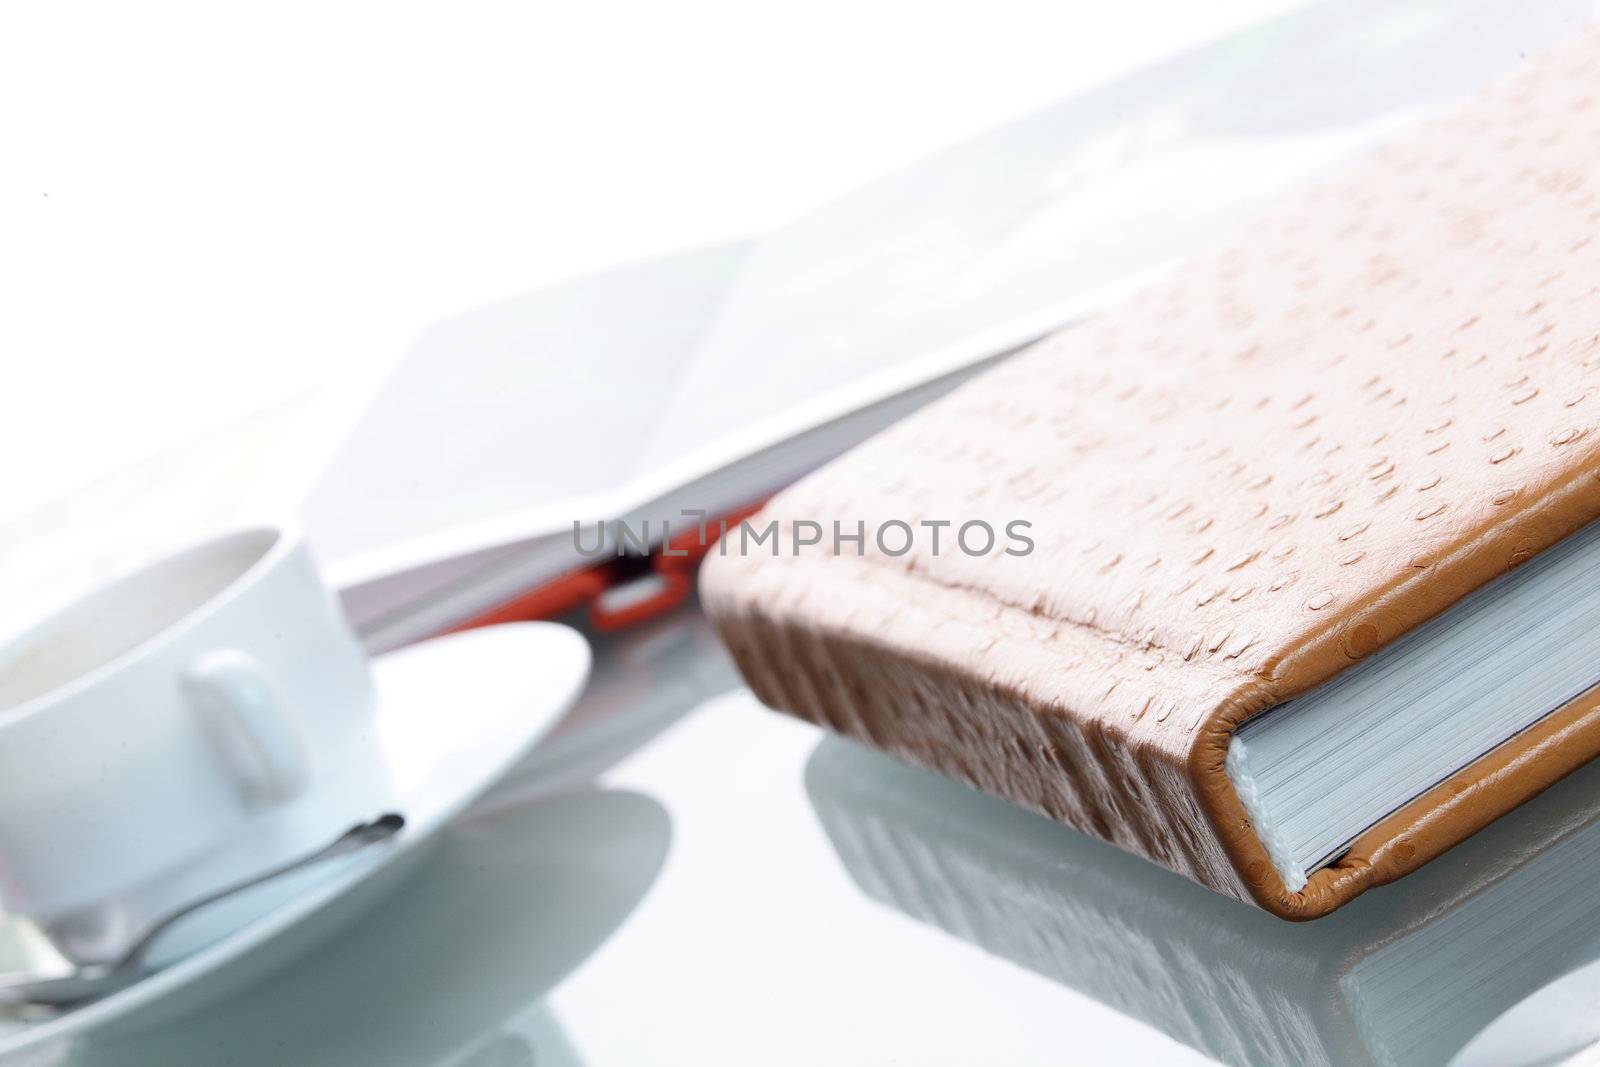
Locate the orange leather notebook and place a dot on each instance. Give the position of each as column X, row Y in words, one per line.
column 1255, row 491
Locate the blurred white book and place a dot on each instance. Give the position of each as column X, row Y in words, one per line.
column 706, row 381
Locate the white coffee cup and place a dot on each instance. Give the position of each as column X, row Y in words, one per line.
column 183, row 728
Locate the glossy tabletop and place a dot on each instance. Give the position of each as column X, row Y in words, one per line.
column 681, row 876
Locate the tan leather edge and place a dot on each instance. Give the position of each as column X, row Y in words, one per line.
column 1429, row 826
column 1454, row 809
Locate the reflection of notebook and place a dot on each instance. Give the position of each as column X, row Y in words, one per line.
column 706, row 381
column 1312, row 596
column 1407, row 975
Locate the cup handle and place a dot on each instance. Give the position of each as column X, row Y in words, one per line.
column 246, row 715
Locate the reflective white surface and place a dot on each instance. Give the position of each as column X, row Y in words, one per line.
column 679, row 876
column 454, row 967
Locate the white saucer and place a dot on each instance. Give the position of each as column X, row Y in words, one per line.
column 454, row 714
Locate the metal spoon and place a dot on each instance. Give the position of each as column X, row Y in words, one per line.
column 22, row 990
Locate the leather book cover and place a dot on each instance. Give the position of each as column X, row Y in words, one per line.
column 1237, row 484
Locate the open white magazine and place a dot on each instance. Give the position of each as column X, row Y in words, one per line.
column 708, row 380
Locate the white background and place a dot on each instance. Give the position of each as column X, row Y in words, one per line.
column 204, row 208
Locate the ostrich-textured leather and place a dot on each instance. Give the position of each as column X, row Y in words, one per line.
column 1239, row 483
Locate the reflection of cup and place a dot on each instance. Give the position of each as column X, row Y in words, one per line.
column 190, row 725
column 1407, row 974
column 451, row 971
